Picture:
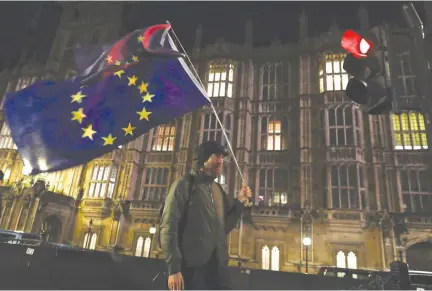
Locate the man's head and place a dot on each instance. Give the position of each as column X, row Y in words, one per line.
column 210, row 158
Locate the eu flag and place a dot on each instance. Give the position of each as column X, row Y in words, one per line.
column 138, row 83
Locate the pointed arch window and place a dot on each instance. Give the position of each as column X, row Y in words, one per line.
column 409, row 131
column 7, row 174
column 270, row 260
column 220, row 80
column 155, row 184
column 211, row 129
column 163, row 137
column 265, row 254
column 348, row 187
column 103, row 181
column 274, row 133
column 332, row 76
column 416, row 190
column 93, row 241
column 275, row 259
column 274, row 80
column 351, row 261
column 344, row 126
column 143, row 247
column 346, row 261
column 273, row 187
column 6, row 141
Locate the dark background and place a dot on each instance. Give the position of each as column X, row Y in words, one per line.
column 219, row 19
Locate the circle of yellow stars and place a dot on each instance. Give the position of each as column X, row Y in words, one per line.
column 79, row 115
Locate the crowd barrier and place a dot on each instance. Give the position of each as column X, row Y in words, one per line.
column 28, row 267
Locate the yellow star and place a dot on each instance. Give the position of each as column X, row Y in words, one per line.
column 119, row 73
column 118, row 63
column 109, row 59
column 78, row 115
column 144, row 114
column 88, row 132
column 129, row 129
column 147, row 97
column 135, row 58
column 132, row 81
column 109, row 140
column 78, row 97
column 140, row 38
column 143, row 87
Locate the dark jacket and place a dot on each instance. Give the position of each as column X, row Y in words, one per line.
column 203, row 232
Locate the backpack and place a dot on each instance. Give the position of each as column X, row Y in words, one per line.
column 191, row 189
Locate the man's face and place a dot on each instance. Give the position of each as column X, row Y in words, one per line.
column 214, row 164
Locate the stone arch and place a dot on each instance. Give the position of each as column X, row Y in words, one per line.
column 52, row 225
column 419, row 256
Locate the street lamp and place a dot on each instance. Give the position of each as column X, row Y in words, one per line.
column 152, row 231
column 307, row 242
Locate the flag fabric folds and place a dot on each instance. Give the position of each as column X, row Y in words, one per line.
column 137, row 84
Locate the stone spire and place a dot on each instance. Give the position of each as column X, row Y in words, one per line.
column 334, row 27
column 198, row 37
column 303, row 25
column 363, row 17
column 249, row 32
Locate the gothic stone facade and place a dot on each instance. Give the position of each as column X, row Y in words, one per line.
column 318, row 165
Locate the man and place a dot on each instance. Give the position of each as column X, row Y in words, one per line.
column 195, row 248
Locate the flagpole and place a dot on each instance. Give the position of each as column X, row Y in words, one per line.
column 211, row 104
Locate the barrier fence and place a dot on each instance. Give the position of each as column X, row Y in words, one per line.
column 30, row 267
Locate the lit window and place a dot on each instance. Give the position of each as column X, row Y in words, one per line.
column 155, row 184
column 416, row 194
column 332, row 76
column 275, row 259
column 6, row 141
column 409, row 131
column 7, row 174
column 265, row 253
column 93, row 240
column 143, row 247
column 220, row 80
column 24, row 82
column 351, row 261
column 274, row 134
column 270, row 261
column 54, row 180
column 163, row 138
column 103, row 182
column 346, row 261
column 341, row 262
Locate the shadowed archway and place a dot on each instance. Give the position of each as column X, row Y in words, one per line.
column 53, row 227
column 419, row 256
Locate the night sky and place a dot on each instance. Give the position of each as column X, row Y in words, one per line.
column 219, row 19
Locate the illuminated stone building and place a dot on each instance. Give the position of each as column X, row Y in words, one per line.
column 319, row 166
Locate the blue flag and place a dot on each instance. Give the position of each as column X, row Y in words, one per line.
column 138, row 83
